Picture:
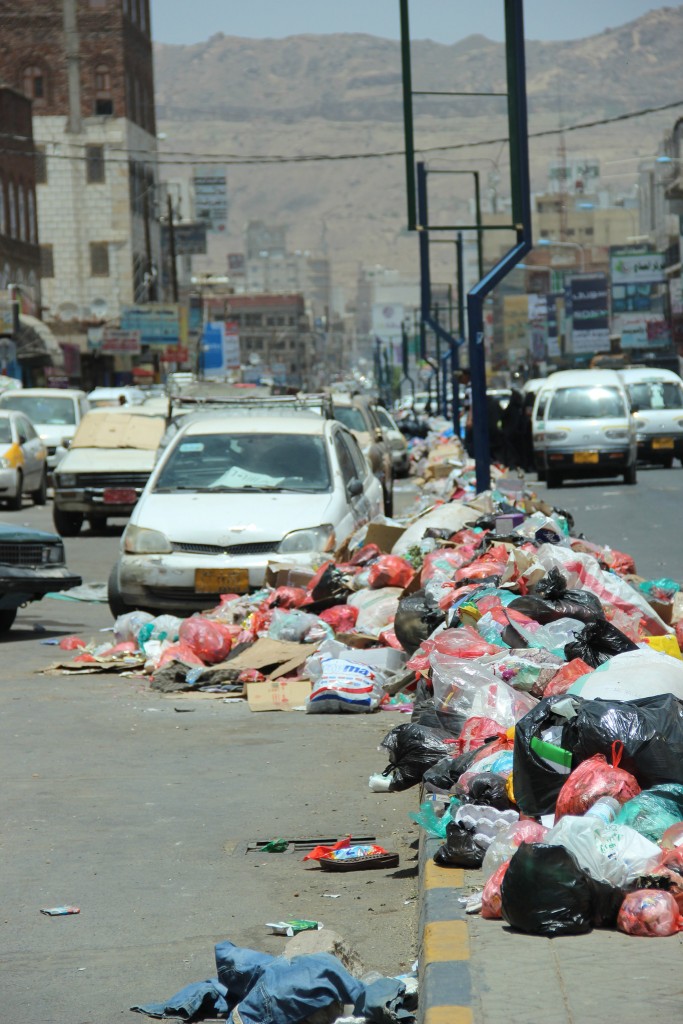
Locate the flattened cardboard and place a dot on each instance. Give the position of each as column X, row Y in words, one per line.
column 119, row 430
column 280, row 574
column 278, row 695
column 384, row 536
column 270, row 654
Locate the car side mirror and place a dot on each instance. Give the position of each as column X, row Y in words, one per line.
column 354, row 487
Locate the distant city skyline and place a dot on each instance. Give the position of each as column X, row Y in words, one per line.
column 447, row 21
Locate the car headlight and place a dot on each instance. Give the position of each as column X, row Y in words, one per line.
column 318, row 538
column 137, row 540
column 54, row 553
column 66, row 480
column 617, row 435
column 556, row 435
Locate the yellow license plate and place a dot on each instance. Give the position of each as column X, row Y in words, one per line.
column 586, row 457
column 662, row 442
column 221, row 581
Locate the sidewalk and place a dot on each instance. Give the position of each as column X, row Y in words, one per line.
column 474, row 971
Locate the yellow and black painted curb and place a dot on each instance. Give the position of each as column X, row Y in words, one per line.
column 444, row 952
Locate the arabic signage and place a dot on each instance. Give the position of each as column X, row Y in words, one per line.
column 553, row 337
column 629, row 267
column 120, row 342
column 590, row 313
column 176, row 354
column 156, row 323
column 211, row 199
column 189, row 239
column 220, row 348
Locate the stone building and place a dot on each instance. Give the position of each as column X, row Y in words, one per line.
column 19, row 252
column 87, row 67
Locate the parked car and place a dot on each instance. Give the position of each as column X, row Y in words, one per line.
column 231, row 494
column 105, row 470
column 358, row 415
column 582, row 427
column 31, row 565
column 657, row 404
column 400, row 456
column 54, row 412
column 23, row 460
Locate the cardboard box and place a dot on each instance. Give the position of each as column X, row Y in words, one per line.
column 271, row 657
column 384, row 536
column 278, row 695
column 664, row 609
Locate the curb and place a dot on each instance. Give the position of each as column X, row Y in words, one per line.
column 444, row 950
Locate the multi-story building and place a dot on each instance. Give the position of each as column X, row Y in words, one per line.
column 86, row 65
column 19, row 252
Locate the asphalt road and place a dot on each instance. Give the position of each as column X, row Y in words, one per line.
column 140, row 814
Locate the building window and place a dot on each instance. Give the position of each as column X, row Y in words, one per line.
column 104, row 104
column 47, row 261
column 12, row 203
column 40, row 159
column 94, row 158
column 35, row 84
column 99, row 259
column 32, row 234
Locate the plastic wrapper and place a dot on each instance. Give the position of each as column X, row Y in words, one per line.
column 660, row 590
column 610, row 853
column 442, row 564
column 210, row 641
column 412, row 749
column 463, row 642
column 492, row 897
column 341, row 618
column 475, row 732
column 471, row 691
column 553, row 637
column 376, row 609
column 365, row 555
column 597, row 642
column 500, row 763
column 416, row 619
column 390, row 571
column 287, row 597
column 545, row 892
column 567, row 675
column 649, row 912
column 177, row 652
column 654, row 810
column 444, row 775
column 531, row 670
column 297, row 626
column 164, row 627
column 427, row 818
column 342, row 686
column 594, row 779
column 328, row 587
column 506, row 842
column 128, row 626
column 651, row 730
column 460, row 849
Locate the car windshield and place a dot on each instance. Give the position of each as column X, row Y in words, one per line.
column 586, row 403
column 47, row 410
column 5, row 431
column 351, row 418
column 246, row 462
column 657, row 394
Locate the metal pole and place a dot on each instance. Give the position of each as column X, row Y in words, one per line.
column 480, row 236
column 425, row 275
column 455, row 354
column 408, row 114
column 171, row 247
column 151, row 285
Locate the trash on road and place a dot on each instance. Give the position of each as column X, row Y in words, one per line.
column 293, row 927
column 60, row 911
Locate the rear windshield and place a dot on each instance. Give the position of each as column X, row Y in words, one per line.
column 657, row 394
column 246, row 462
column 586, row 403
column 350, row 417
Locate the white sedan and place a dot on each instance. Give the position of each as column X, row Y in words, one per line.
column 23, row 460
column 231, row 494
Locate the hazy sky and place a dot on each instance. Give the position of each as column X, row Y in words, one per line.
column 191, row 21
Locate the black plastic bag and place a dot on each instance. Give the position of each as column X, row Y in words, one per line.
column 460, row 849
column 545, row 892
column 487, row 789
column 412, row 750
column 544, row 611
column 597, row 642
column 650, row 729
column 416, row 619
column 442, row 777
column 329, row 590
column 536, row 783
column 575, row 604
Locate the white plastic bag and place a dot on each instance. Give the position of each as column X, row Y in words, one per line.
column 341, row 686
column 129, row 625
column 609, row 853
column 376, row 608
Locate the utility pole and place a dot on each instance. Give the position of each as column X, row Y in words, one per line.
column 151, row 278
column 171, row 247
column 73, row 62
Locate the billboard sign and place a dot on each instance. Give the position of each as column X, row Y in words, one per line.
column 590, row 313
column 553, row 339
column 221, row 348
column 211, row 198
column 156, row 323
column 628, row 267
column 189, row 239
column 120, row 342
column 231, row 345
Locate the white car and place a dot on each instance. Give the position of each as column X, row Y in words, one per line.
column 657, row 403
column 23, row 460
column 54, row 412
column 231, row 494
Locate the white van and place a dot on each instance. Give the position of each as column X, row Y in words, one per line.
column 657, row 404
column 582, row 427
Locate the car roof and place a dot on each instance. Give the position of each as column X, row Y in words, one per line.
column 643, row 374
column 585, row 378
column 46, row 392
column 222, row 424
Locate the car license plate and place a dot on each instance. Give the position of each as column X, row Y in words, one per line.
column 662, row 442
column 119, row 496
column 221, row 581
column 586, row 457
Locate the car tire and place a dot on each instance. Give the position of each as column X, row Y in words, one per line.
column 15, row 503
column 117, row 605
column 7, row 617
column 97, row 523
column 67, row 524
column 541, row 474
column 40, row 496
column 553, row 478
column 631, row 476
column 668, row 462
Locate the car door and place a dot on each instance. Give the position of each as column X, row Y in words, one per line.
column 353, row 514
column 34, row 452
column 370, row 502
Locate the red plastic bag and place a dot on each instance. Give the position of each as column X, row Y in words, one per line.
column 319, row 852
column 389, row 639
column 71, row 643
column 365, row 555
column 342, row 617
column 211, row 641
column 178, row 652
column 287, row 597
column 442, row 562
column 649, row 912
column 504, row 742
column 125, row 647
column 594, row 779
column 493, row 563
column 566, row 676
column 491, row 898
column 390, row 571
column 463, row 642
column 475, row 732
